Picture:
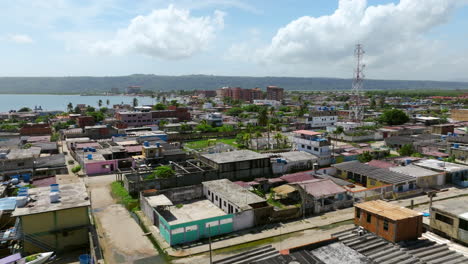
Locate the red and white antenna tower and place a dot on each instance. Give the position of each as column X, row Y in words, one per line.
column 357, row 111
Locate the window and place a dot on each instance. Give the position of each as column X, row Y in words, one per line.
column 303, row 146
column 358, row 212
column 444, row 219
column 209, row 193
column 20, row 164
column 411, row 186
column 385, row 224
column 369, row 218
column 463, row 224
column 224, row 203
column 216, row 198
column 316, row 149
column 225, row 221
column 309, row 147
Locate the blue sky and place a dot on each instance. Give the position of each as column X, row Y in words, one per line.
column 408, row 39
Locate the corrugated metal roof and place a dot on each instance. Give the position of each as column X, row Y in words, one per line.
column 387, row 210
column 319, row 188
column 297, row 177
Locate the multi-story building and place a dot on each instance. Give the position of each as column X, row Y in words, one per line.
column 313, row 142
column 136, row 119
column 237, row 93
column 133, row 89
column 322, row 117
column 214, row 119
column 35, row 129
column 275, row 93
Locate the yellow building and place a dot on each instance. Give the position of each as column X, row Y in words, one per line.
column 59, row 225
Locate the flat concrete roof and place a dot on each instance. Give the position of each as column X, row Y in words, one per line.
column 440, row 165
column 23, row 153
column 72, row 195
column 234, row 193
column 457, row 207
column 234, row 156
column 192, row 211
column 293, row 156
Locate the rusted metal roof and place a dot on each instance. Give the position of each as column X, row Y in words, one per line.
column 387, row 210
column 321, row 187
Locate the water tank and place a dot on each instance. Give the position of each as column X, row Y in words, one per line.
column 455, row 134
column 85, row 149
column 278, row 160
column 26, row 177
column 449, row 134
column 408, row 161
column 84, row 259
column 158, row 144
column 21, row 201
column 443, row 137
column 146, row 144
column 14, row 181
column 55, row 188
column 54, row 197
column 90, row 156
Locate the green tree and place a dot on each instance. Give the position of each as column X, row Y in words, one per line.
column 163, row 172
column 339, row 130
column 107, row 102
column 365, row 157
column 99, row 103
column 70, row 107
column 162, row 124
column 135, row 102
column 234, row 111
column 394, row 117
column 372, row 102
column 382, row 102
column 159, row 106
column 76, row 169
column 24, row 109
column 77, row 110
column 278, row 137
column 262, row 117
column 406, row 150
column 346, row 106
column 174, row 103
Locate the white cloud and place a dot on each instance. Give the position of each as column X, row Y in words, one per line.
column 165, row 33
column 391, row 34
column 21, row 39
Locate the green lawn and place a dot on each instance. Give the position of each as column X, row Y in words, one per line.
column 201, row 144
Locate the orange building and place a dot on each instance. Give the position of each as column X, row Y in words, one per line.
column 459, row 114
column 391, row 222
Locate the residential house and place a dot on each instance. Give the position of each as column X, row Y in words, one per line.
column 450, row 218
column 391, row 222
column 314, row 143
column 454, row 173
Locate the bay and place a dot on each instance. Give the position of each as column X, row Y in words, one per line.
column 54, row 102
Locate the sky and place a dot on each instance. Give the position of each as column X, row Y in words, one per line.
column 405, row 40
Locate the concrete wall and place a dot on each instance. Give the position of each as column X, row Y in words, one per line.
column 63, row 230
column 243, row 220
column 450, row 230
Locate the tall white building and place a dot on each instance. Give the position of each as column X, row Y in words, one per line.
column 313, row 143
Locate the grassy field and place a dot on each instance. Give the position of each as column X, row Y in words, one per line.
column 201, row 144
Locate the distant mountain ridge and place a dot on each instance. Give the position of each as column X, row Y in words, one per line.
column 44, row 85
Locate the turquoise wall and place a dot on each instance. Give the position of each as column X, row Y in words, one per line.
column 184, row 235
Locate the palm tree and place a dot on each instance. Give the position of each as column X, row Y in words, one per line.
column 247, row 138
column 135, row 102
column 278, row 137
column 107, row 102
column 99, row 103
column 269, row 128
column 257, row 135
column 263, row 117
column 70, row 107
column 152, row 97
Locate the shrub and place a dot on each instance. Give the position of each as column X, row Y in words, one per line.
column 76, row 169
column 123, row 197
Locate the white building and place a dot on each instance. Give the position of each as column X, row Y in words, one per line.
column 273, row 103
column 214, row 119
column 322, row 117
column 312, row 142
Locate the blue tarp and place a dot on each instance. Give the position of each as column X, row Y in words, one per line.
column 8, row 203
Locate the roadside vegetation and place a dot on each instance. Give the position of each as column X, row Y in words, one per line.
column 123, row 197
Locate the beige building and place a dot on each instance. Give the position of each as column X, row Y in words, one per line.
column 450, row 218
column 459, row 114
column 50, row 224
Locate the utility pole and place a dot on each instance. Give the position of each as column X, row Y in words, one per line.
column 357, row 111
column 209, row 243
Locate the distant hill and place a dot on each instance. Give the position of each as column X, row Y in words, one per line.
column 201, row 82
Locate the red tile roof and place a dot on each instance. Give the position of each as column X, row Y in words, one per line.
column 297, row 177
